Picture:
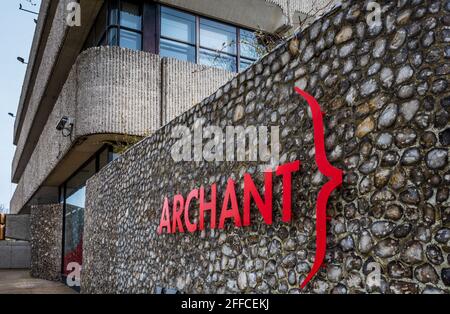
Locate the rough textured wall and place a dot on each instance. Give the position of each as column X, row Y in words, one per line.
column 292, row 8
column 186, row 84
column 33, row 51
column 54, row 44
column 113, row 90
column 46, row 236
column 384, row 92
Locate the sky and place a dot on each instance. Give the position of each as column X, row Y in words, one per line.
column 16, row 34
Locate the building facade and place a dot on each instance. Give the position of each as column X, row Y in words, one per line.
column 94, row 87
column 141, row 69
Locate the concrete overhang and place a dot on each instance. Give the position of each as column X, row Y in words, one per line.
column 53, row 37
column 254, row 14
column 80, row 152
column 42, row 30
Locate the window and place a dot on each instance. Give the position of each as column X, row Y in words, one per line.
column 169, row 32
column 119, row 23
column 218, row 45
column 73, row 197
column 177, row 38
column 75, row 194
column 248, row 48
column 188, row 37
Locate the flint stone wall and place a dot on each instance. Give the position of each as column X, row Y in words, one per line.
column 46, row 241
column 384, row 92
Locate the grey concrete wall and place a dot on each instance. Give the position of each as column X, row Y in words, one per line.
column 18, row 227
column 384, row 93
column 58, row 49
column 14, row 255
column 45, row 68
column 38, row 33
column 46, row 241
column 112, row 90
column 292, row 8
column 186, row 84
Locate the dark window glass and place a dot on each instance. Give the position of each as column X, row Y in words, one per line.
column 172, row 49
column 131, row 40
column 113, row 37
column 113, row 12
column 130, row 16
column 177, row 25
column 103, row 158
column 218, row 60
column 217, row 36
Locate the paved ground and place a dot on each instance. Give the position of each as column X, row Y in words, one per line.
column 20, row 282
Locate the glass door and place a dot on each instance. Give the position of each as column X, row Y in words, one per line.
column 74, row 216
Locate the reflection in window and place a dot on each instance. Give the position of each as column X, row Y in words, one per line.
column 73, row 197
column 177, row 50
column 130, row 40
column 182, row 35
column 130, row 16
column 116, row 27
column 177, row 35
column 219, row 60
column 177, row 25
column 249, row 45
column 113, row 37
column 217, row 36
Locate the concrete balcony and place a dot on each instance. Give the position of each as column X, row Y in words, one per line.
column 110, row 92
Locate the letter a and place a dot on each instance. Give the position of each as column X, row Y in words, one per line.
column 230, row 195
column 165, row 217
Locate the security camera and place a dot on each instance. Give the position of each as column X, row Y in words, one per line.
column 65, row 125
column 62, row 123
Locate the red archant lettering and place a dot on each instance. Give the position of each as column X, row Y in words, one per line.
column 286, row 171
column 230, row 207
column 233, row 212
column 178, row 207
column 165, row 217
column 208, row 206
column 190, row 226
column 264, row 207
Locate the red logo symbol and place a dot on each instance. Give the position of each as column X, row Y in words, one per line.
column 335, row 176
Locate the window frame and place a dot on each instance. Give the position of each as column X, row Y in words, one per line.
column 198, row 46
column 118, row 27
column 150, row 31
